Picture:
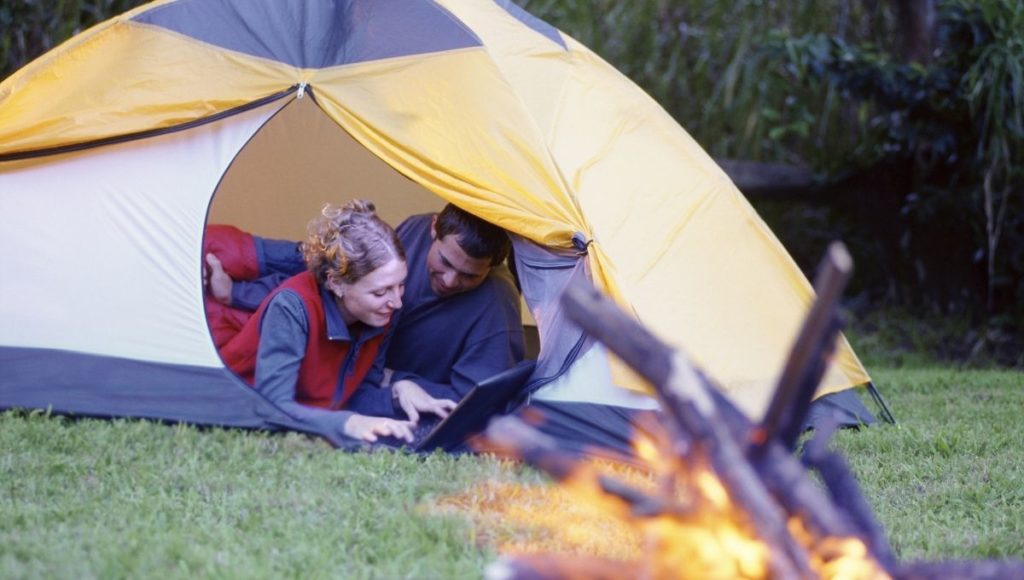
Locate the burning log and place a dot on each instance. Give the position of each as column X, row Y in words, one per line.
column 512, row 436
column 694, row 414
column 942, row 570
column 767, row 462
column 802, row 530
column 845, row 492
column 561, row 567
column 658, row 509
column 809, row 356
column 767, row 467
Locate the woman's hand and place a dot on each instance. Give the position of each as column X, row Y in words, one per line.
column 413, row 400
column 369, row 428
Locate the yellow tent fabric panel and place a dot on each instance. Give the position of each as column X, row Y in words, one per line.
column 299, row 160
column 685, row 248
column 463, row 136
column 124, row 78
column 693, row 258
column 532, row 64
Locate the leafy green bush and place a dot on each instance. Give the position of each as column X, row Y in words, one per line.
column 921, row 162
column 703, row 60
column 897, row 337
column 34, row 27
column 945, row 142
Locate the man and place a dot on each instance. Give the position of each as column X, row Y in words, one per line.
column 460, row 322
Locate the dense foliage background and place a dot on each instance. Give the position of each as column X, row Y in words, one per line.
column 907, row 114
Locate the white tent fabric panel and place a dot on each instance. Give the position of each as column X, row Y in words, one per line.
column 589, row 380
column 101, row 249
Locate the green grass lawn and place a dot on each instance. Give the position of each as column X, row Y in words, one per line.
column 117, row 499
column 948, row 479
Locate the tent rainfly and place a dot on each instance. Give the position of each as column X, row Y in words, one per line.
column 118, row 146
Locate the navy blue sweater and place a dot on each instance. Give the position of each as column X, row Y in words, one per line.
column 446, row 345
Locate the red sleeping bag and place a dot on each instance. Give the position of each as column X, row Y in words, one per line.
column 237, row 253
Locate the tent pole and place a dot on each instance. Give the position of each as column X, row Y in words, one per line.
column 886, row 414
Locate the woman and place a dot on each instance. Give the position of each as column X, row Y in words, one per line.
column 317, row 342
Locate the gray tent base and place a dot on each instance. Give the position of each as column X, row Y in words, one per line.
column 844, row 407
column 607, row 432
column 215, row 397
column 590, row 429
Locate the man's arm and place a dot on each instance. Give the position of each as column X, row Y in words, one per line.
column 399, row 401
column 480, row 360
column 494, row 343
column 249, row 294
column 279, row 256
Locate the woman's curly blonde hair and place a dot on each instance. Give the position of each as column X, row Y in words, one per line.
column 348, row 242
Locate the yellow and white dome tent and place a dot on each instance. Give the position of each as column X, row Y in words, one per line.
column 117, row 147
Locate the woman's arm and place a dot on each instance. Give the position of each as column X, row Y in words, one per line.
column 284, row 331
column 403, row 397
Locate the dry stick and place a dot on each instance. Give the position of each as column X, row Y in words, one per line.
column 843, row 488
column 513, row 436
column 691, row 408
column 778, row 470
column 961, row 569
column 561, row 567
column 786, row 478
column 782, row 473
column 808, row 358
column 802, row 373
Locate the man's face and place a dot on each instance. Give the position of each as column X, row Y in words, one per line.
column 451, row 269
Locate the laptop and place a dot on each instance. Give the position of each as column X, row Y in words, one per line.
column 486, row 399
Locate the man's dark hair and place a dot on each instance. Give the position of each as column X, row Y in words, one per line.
column 478, row 238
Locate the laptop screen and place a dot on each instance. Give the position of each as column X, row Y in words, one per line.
column 483, row 401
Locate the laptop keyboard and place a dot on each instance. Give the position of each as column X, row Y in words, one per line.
column 485, row 399
column 419, row 432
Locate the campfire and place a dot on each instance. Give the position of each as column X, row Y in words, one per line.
column 723, row 498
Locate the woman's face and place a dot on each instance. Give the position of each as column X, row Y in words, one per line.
column 374, row 298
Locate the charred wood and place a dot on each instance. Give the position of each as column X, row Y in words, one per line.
column 514, row 437
column 691, row 408
column 842, row 487
column 562, row 567
column 808, row 357
column 773, row 483
column 960, row 570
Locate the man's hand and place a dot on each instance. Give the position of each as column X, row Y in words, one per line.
column 219, row 281
column 369, row 428
column 413, row 400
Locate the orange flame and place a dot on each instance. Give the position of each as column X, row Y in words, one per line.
column 703, row 535
column 839, row 558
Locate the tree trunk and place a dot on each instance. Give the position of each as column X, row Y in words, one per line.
column 917, row 23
